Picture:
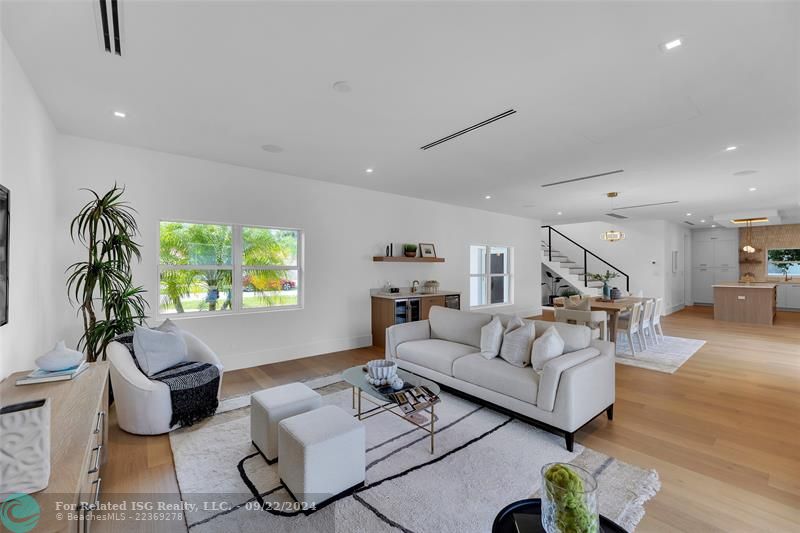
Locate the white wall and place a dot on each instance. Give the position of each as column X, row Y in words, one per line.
column 645, row 255
column 635, row 255
column 344, row 227
column 28, row 139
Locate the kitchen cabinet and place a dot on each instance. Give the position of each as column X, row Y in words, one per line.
column 388, row 310
column 789, row 296
column 715, row 258
column 702, row 281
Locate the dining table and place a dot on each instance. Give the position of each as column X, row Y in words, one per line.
column 614, row 308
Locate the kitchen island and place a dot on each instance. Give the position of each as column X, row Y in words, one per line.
column 751, row 303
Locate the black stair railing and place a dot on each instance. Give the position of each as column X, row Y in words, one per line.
column 586, row 254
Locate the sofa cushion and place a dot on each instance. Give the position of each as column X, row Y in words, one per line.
column 551, row 376
column 435, row 354
column 517, row 340
column 575, row 337
column 546, row 347
column 453, row 325
column 491, row 338
column 498, row 376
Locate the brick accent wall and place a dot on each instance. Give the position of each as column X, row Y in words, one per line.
column 764, row 238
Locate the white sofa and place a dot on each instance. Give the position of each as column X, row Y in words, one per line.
column 571, row 390
column 144, row 406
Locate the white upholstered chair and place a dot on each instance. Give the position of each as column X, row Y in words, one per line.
column 144, row 406
column 597, row 321
column 630, row 326
column 655, row 321
column 646, row 319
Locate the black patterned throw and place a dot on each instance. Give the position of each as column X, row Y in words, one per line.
column 192, row 386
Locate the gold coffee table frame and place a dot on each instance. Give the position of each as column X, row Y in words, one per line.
column 388, row 406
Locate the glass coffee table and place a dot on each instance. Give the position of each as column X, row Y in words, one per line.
column 423, row 419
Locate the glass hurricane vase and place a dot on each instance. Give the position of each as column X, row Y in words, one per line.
column 569, row 499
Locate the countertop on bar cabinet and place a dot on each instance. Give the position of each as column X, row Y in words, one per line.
column 747, row 285
column 408, row 294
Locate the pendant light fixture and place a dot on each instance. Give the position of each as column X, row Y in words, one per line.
column 748, row 238
column 612, row 235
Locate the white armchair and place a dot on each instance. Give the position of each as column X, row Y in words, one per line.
column 144, row 406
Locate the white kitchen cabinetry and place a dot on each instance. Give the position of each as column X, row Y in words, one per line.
column 702, row 281
column 715, row 259
column 789, row 296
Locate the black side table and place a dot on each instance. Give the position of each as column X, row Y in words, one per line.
column 525, row 516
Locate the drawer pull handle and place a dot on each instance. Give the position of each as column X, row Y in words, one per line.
column 94, row 505
column 98, row 450
column 99, row 424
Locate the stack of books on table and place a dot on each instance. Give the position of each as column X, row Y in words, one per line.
column 43, row 376
column 415, row 399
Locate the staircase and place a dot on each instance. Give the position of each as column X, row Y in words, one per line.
column 572, row 268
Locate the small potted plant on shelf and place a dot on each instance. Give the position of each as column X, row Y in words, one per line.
column 605, row 278
column 410, row 250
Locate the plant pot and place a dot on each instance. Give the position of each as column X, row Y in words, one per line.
column 410, row 254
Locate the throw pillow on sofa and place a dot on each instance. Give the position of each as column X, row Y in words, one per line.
column 491, row 338
column 158, row 350
column 516, row 347
column 549, row 346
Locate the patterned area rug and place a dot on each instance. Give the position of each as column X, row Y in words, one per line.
column 484, row 460
column 666, row 356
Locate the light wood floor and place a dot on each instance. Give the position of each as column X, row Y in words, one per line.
column 723, row 432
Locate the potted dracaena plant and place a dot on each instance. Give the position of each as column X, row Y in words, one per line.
column 102, row 285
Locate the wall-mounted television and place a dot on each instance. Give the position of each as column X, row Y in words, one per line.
column 5, row 217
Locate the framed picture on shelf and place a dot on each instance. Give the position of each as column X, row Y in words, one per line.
column 427, row 250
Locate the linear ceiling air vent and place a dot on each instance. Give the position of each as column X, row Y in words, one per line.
column 571, row 180
column 452, row 136
column 689, row 223
column 109, row 26
column 615, row 215
column 644, row 205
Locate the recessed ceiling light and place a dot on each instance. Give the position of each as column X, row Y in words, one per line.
column 559, row 213
column 342, row 87
column 713, row 225
column 752, row 189
column 272, row 148
column 688, row 214
column 488, row 196
column 119, row 114
column 730, row 148
column 703, row 221
column 369, row 170
column 675, row 43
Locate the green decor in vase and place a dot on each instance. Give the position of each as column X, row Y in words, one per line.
column 569, row 499
column 410, row 250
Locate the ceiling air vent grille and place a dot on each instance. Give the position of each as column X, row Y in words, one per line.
column 615, row 215
column 109, row 25
column 644, row 205
column 689, row 223
column 592, row 176
column 452, row 136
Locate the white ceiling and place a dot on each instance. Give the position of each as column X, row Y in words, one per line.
column 592, row 89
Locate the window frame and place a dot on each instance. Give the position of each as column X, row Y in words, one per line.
column 487, row 275
column 236, row 267
column 767, row 262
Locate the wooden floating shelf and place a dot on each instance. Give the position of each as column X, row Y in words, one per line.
column 404, row 259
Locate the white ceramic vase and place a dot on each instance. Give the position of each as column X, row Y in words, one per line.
column 59, row 358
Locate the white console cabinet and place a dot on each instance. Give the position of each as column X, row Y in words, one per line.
column 789, row 296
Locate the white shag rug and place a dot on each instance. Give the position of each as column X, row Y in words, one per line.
column 484, row 460
column 666, row 356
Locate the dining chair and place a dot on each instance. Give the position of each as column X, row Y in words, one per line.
column 630, row 326
column 655, row 322
column 646, row 322
column 597, row 321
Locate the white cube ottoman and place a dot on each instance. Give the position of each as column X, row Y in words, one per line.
column 270, row 406
column 323, row 454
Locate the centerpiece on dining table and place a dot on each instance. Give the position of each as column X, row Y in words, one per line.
column 605, row 278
